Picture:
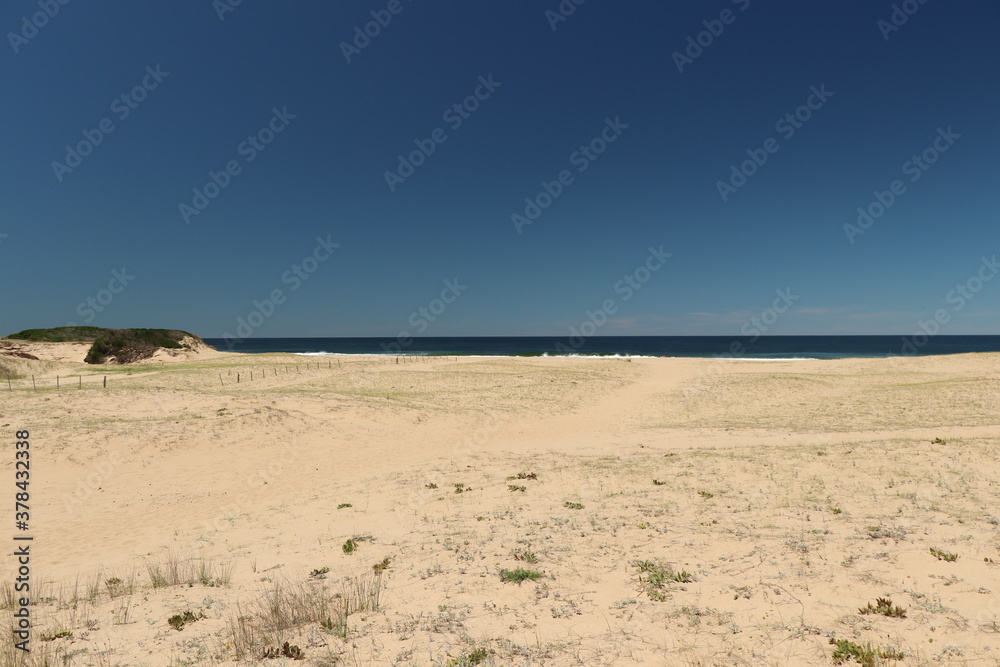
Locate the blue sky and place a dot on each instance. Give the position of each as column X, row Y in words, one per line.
column 325, row 113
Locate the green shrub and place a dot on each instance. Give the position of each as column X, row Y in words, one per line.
column 59, row 334
column 865, row 655
column 518, row 575
column 476, row 657
column 130, row 345
column 884, row 607
column 944, row 555
column 178, row 621
column 658, row 577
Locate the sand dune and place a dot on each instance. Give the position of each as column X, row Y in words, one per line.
column 675, row 511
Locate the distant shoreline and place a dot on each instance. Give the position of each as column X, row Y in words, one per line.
column 704, row 347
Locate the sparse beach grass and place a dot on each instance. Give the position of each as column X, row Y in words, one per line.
column 646, row 546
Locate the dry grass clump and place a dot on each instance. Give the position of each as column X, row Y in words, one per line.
column 264, row 627
column 175, row 571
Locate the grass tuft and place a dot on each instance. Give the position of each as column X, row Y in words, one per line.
column 884, row 607
column 519, row 575
column 865, row 655
column 944, row 555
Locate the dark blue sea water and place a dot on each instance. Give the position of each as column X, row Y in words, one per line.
column 764, row 347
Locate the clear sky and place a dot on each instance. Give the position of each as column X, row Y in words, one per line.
column 630, row 125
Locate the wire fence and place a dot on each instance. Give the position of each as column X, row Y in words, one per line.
column 240, row 375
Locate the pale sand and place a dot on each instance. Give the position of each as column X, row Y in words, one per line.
column 793, row 492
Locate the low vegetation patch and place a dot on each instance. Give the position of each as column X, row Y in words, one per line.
column 260, row 628
column 524, row 555
column 882, row 532
column 178, row 621
column 174, row 571
column 59, row 334
column 474, row 657
column 125, row 346
column 9, row 371
column 944, row 555
column 865, row 655
column 286, row 650
column 654, row 578
column 519, row 575
column 573, row 506
column 884, row 607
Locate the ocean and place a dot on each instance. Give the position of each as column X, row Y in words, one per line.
column 763, row 347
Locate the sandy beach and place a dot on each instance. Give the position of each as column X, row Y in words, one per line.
column 508, row 511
